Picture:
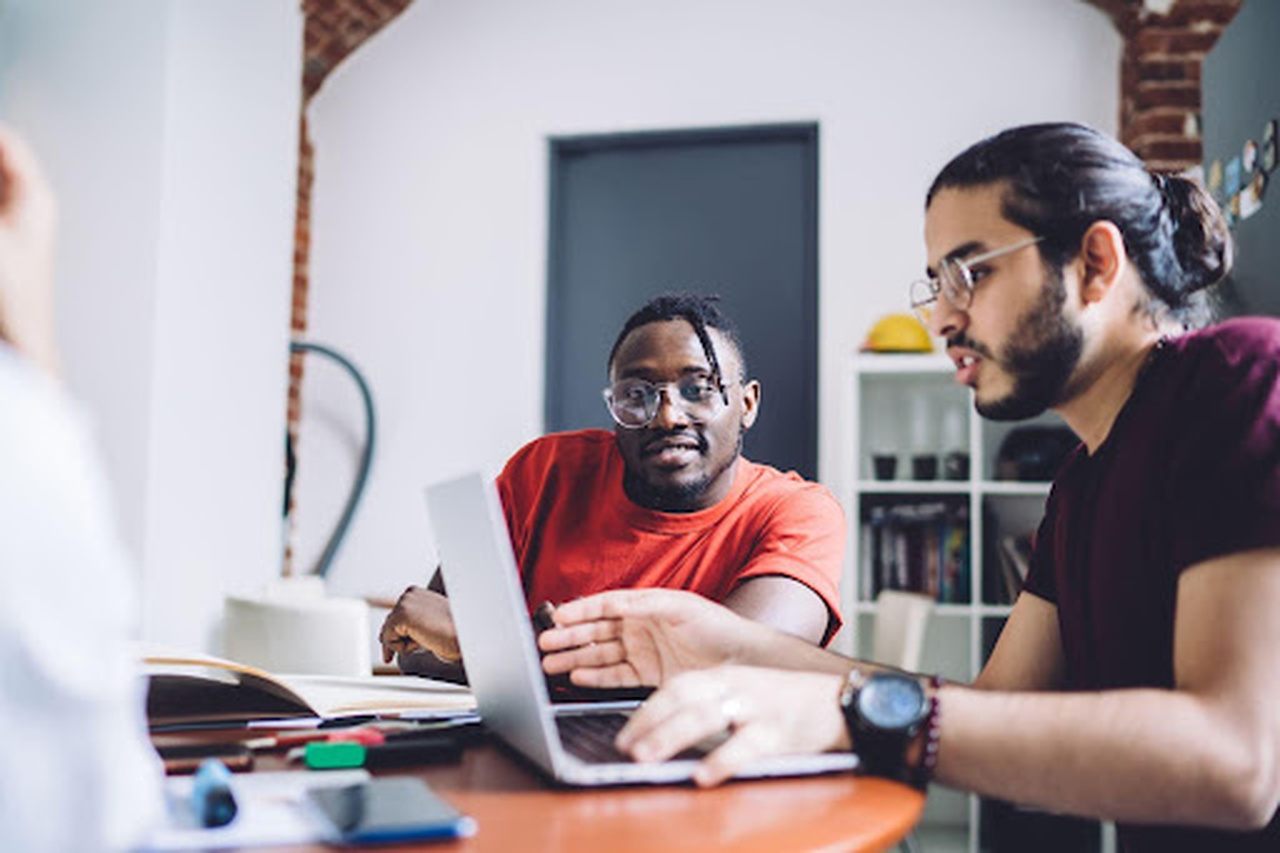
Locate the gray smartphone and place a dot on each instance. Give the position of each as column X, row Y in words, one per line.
column 388, row 809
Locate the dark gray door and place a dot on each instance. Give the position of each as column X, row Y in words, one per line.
column 730, row 211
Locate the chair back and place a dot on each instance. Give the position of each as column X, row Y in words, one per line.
column 902, row 618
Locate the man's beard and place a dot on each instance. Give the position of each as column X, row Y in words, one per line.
column 1040, row 357
column 678, row 497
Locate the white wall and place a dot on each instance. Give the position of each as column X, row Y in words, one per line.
column 169, row 131
column 429, row 218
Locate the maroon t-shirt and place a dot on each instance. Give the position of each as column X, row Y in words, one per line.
column 1189, row 472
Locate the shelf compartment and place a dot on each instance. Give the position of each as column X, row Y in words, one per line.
column 921, row 487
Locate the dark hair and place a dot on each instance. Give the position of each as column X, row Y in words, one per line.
column 1061, row 178
column 699, row 311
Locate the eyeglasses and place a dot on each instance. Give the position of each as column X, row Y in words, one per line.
column 955, row 281
column 634, row 402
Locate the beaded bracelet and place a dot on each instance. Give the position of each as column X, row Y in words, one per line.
column 932, row 733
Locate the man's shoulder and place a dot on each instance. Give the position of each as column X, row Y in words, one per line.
column 1234, row 342
column 788, row 491
column 560, row 451
column 1236, row 356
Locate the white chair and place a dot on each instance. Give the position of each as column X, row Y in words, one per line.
column 902, row 619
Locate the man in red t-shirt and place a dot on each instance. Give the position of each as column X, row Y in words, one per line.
column 665, row 500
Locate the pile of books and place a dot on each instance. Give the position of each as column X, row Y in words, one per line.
column 918, row 547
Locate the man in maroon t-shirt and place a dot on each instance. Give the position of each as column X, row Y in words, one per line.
column 1136, row 677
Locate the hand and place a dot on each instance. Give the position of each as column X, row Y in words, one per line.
column 768, row 712
column 27, row 222
column 632, row 638
column 420, row 620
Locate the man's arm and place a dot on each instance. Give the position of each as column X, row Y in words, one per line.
column 1028, row 655
column 1206, row 752
column 419, row 632
column 782, row 603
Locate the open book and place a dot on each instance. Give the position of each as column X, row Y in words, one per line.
column 195, row 688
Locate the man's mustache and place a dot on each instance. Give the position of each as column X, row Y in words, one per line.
column 965, row 342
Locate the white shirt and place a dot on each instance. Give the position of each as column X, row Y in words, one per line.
column 77, row 772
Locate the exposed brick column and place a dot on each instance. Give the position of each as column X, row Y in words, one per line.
column 1160, row 74
column 333, row 29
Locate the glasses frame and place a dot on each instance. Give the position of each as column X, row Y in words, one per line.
column 661, row 388
column 960, row 294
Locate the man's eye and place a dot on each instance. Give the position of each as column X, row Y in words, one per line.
column 978, row 274
column 697, row 390
column 636, row 394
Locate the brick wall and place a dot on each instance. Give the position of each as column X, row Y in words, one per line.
column 1165, row 44
column 333, row 29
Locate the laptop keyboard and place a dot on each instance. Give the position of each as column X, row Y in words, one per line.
column 589, row 737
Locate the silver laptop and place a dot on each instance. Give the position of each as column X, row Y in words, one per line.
column 572, row 743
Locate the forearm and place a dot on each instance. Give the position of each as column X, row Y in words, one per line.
column 769, row 647
column 1147, row 756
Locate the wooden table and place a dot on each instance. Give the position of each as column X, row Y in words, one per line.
column 517, row 810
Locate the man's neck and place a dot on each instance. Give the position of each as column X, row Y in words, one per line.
column 1092, row 411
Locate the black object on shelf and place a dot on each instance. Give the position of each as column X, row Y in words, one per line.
column 885, row 465
column 924, row 466
column 1034, row 453
column 955, row 465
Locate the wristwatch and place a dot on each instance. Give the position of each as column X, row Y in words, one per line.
column 884, row 711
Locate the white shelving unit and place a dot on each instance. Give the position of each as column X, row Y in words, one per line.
column 905, row 405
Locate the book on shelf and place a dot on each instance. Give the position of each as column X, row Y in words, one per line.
column 918, row 547
column 1014, row 554
column 187, row 689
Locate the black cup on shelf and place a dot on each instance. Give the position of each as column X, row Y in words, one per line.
column 924, row 466
column 955, row 465
column 885, row 465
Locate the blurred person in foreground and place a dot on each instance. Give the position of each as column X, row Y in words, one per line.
column 76, row 769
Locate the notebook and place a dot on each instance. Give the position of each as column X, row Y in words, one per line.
column 570, row 743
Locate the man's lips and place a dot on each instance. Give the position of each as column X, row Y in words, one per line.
column 671, row 449
column 967, row 363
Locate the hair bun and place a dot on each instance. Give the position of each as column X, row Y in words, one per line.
column 1201, row 239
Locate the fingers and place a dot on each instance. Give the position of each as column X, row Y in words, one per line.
column 394, row 638
column 589, row 656
column 619, row 675
column 675, row 718
column 21, row 180
column 589, row 609
column 559, row 639
column 746, row 745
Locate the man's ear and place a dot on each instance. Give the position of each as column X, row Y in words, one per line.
column 1103, row 259
column 750, row 403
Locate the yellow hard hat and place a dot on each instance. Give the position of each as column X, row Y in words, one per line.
column 898, row 333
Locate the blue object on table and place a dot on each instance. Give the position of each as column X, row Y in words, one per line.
column 211, row 796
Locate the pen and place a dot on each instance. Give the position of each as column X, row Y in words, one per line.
column 342, row 754
column 211, row 796
column 374, row 735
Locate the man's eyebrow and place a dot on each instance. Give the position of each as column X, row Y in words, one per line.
column 644, row 371
column 964, row 249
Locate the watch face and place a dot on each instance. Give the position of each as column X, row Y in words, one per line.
column 891, row 702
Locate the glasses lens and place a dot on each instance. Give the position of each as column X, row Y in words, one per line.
column 633, row 402
column 699, row 397
column 957, row 282
column 924, row 294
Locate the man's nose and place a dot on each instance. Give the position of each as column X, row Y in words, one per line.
column 946, row 320
column 670, row 414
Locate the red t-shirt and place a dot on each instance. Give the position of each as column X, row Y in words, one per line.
column 575, row 531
